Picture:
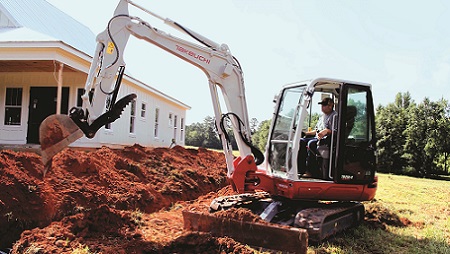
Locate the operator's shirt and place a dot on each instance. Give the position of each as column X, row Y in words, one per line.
column 326, row 122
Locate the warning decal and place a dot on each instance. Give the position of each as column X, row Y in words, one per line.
column 110, row 48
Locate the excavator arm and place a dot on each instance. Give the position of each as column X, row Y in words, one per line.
column 99, row 100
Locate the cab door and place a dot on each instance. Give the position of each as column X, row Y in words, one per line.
column 284, row 126
column 355, row 159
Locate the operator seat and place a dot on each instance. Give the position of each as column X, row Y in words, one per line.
column 324, row 147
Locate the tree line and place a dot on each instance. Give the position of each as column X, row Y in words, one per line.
column 412, row 138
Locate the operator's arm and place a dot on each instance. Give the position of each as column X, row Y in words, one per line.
column 328, row 125
column 323, row 133
column 319, row 134
column 321, row 129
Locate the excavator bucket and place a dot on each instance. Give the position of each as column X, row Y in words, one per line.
column 290, row 239
column 56, row 132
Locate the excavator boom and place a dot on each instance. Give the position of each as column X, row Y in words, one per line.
column 215, row 60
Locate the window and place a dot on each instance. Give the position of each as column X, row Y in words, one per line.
column 13, row 106
column 358, row 125
column 181, row 129
column 132, row 116
column 156, row 121
column 175, row 127
column 170, row 119
column 80, row 92
column 143, row 109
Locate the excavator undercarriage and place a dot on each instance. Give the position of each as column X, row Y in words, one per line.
column 281, row 219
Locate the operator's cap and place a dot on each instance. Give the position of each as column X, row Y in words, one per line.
column 326, row 101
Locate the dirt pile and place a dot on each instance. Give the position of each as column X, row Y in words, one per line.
column 378, row 216
column 106, row 200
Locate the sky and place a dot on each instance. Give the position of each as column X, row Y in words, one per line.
column 396, row 46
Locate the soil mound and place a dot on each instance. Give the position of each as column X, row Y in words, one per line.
column 84, row 186
column 378, row 216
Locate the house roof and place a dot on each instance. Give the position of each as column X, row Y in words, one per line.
column 37, row 23
column 38, row 20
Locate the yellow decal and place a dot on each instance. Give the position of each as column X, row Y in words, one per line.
column 110, row 48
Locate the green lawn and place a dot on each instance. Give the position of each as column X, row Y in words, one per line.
column 423, row 203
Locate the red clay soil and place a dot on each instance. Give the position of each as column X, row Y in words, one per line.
column 114, row 201
column 109, row 201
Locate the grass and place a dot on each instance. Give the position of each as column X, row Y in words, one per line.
column 424, row 202
column 82, row 250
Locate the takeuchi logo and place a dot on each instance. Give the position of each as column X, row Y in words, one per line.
column 193, row 54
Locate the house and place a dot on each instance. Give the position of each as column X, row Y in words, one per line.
column 44, row 59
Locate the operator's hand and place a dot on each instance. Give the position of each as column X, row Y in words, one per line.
column 322, row 133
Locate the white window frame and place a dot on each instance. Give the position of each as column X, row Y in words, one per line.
column 170, row 119
column 143, row 110
column 175, row 127
column 156, row 121
column 181, row 129
column 14, row 105
column 133, row 117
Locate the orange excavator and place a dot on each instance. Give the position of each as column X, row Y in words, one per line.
column 303, row 193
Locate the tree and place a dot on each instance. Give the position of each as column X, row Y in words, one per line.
column 194, row 134
column 259, row 138
column 253, row 125
column 440, row 136
column 211, row 136
column 425, row 141
column 444, row 133
column 203, row 134
column 391, row 123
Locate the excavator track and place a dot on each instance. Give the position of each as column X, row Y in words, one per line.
column 282, row 219
column 327, row 220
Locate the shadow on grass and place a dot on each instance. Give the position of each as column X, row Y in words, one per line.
column 368, row 240
column 440, row 177
column 375, row 235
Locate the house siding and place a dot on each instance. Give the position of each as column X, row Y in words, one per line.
column 119, row 135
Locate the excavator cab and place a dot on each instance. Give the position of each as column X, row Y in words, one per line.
column 347, row 155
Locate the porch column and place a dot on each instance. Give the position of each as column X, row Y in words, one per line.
column 59, row 90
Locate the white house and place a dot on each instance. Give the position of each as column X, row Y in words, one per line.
column 43, row 49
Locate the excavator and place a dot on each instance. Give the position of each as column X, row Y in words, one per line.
column 299, row 202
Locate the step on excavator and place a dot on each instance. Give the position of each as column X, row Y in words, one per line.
column 302, row 192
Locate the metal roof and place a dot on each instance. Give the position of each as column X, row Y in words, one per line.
column 37, row 21
column 44, row 19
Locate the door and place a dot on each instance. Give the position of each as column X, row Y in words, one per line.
column 43, row 104
column 284, row 127
column 355, row 151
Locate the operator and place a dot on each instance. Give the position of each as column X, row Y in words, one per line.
column 308, row 143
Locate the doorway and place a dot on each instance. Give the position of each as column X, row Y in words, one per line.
column 43, row 104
